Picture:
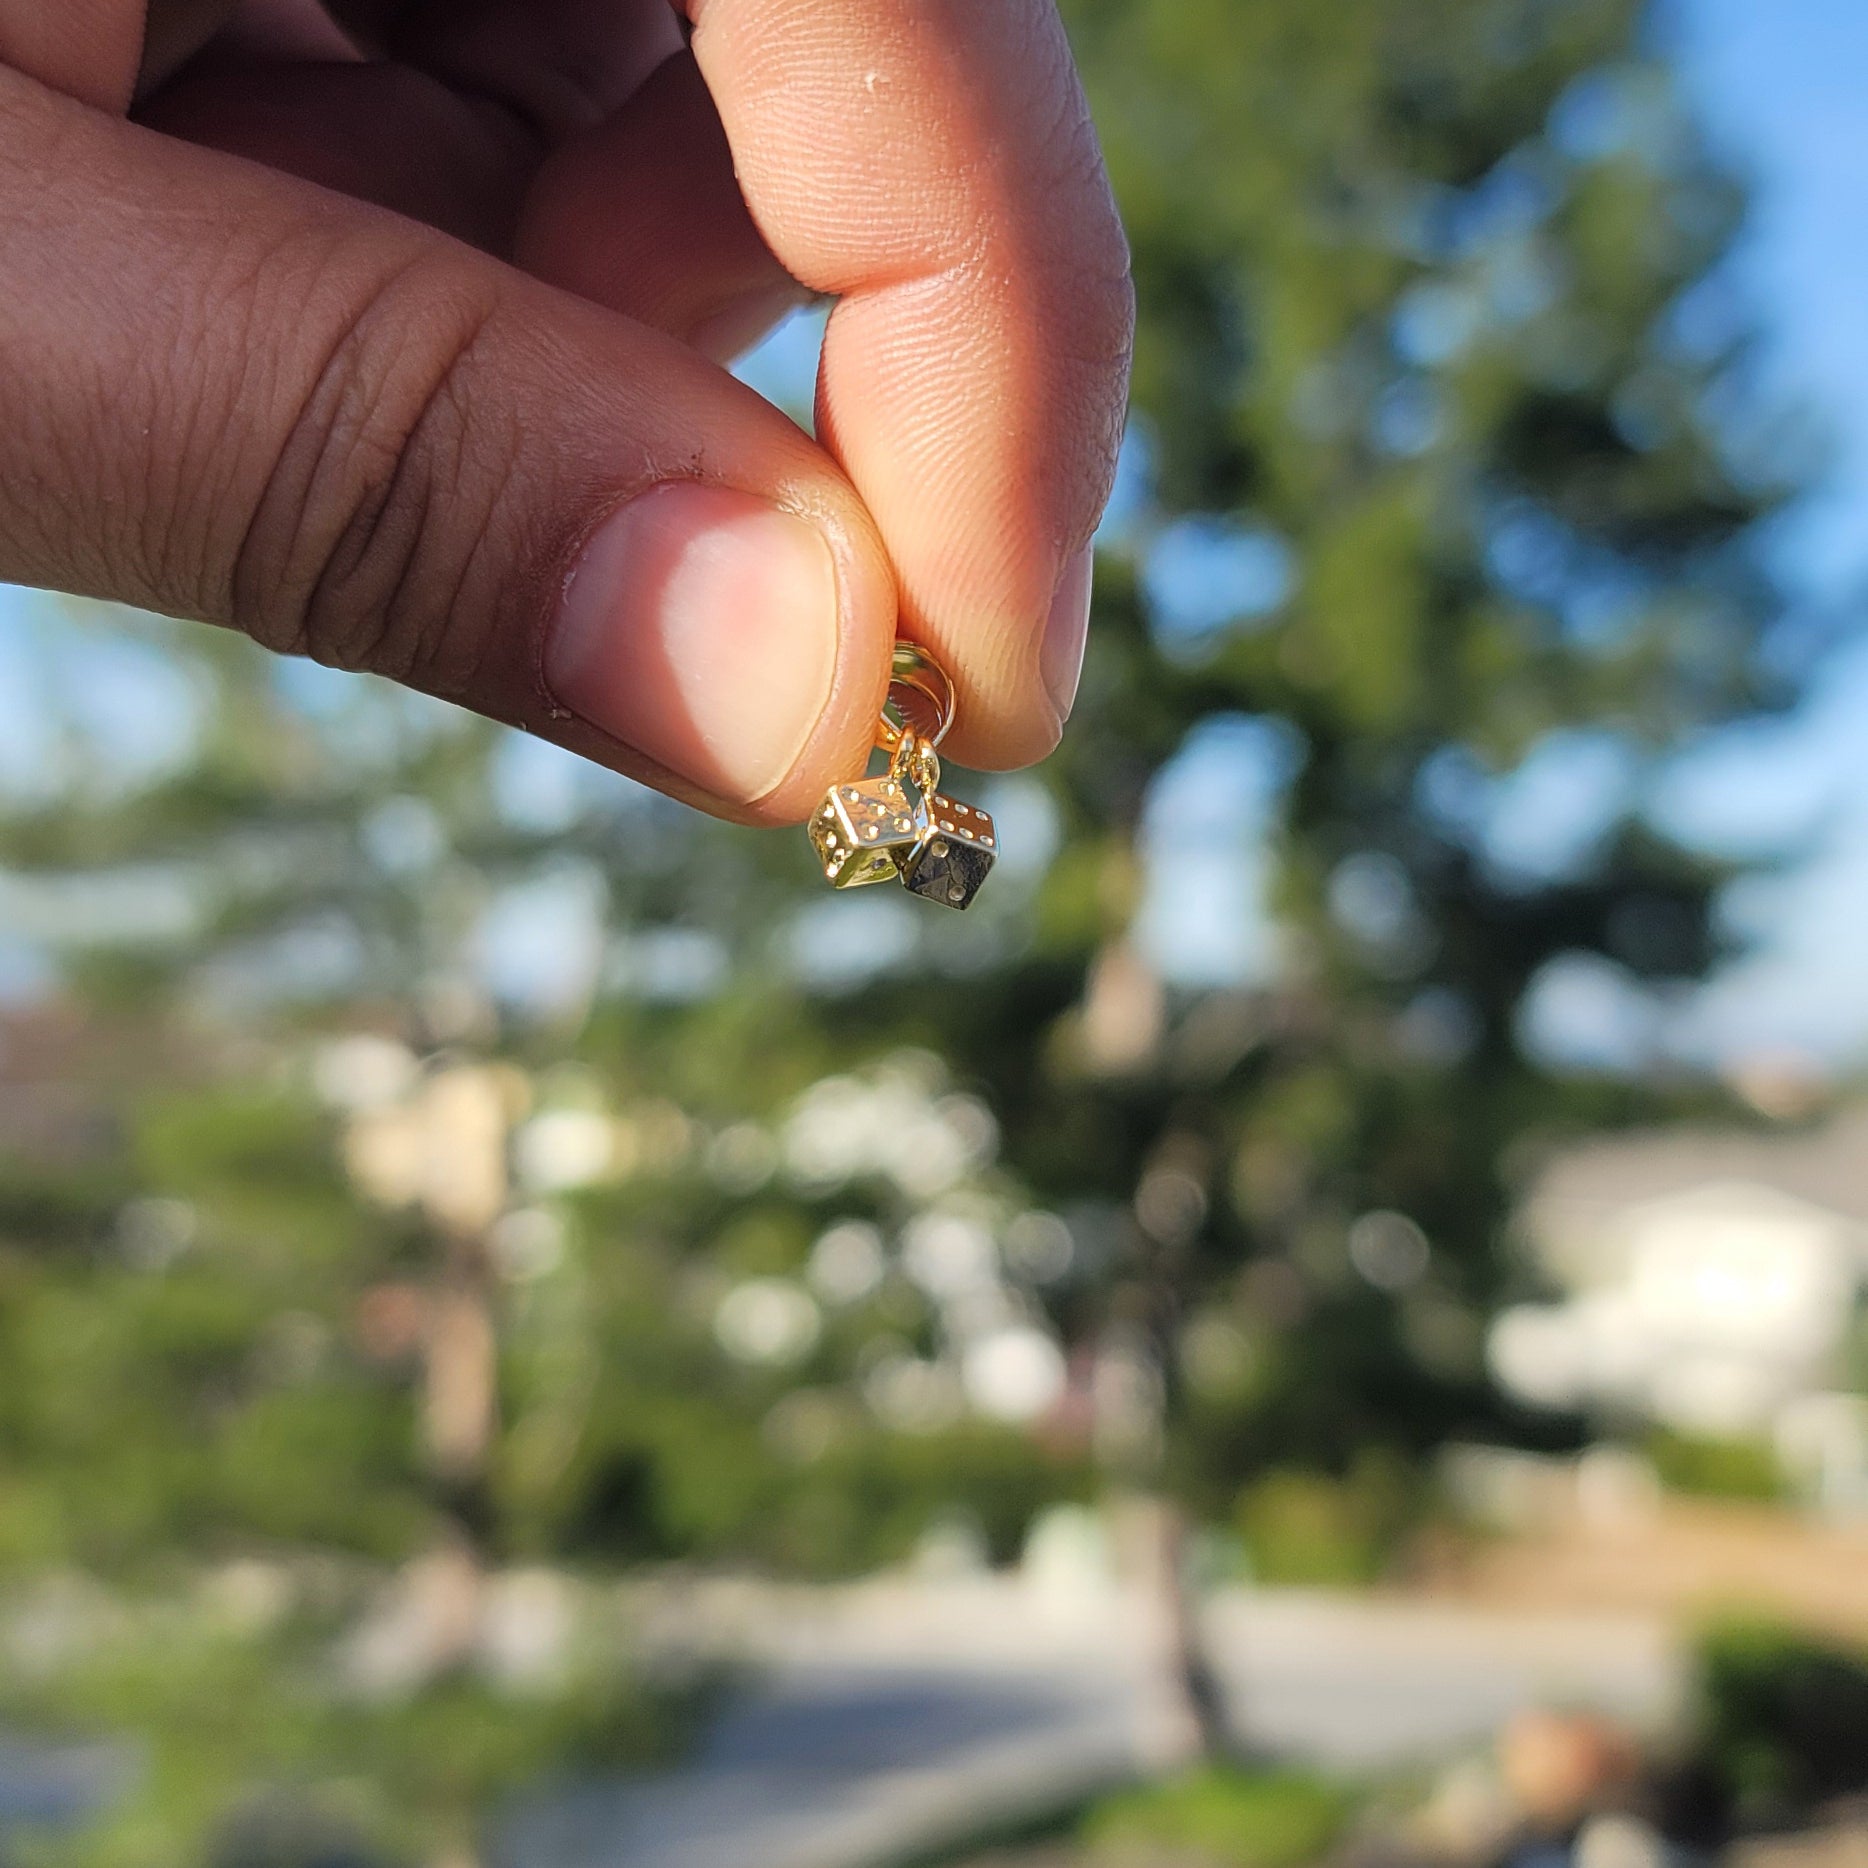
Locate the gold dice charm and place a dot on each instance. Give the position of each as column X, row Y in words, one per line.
column 953, row 851
column 903, row 824
column 861, row 830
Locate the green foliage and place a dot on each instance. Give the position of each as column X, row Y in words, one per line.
column 179, row 1379
column 245, row 1735
column 1747, row 1469
column 1780, row 1720
column 1221, row 1818
column 1310, row 1528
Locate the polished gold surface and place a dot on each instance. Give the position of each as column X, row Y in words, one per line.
column 903, row 824
column 859, row 829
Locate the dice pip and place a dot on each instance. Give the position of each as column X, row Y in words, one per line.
column 862, row 830
column 952, row 852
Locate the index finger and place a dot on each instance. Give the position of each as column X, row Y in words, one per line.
column 932, row 164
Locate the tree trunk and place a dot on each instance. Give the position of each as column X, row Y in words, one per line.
column 1188, row 1723
column 460, row 1374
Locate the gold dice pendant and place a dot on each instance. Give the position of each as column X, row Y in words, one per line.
column 953, row 851
column 903, row 824
column 861, row 829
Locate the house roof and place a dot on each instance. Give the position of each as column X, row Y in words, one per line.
column 1826, row 1167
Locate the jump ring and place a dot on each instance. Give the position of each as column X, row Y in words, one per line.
column 920, row 699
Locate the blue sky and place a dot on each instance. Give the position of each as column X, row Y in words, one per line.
column 1782, row 85
column 1783, row 89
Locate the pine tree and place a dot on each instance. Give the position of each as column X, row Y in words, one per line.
column 1435, row 387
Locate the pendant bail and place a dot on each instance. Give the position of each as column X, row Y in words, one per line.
column 915, row 761
column 920, row 699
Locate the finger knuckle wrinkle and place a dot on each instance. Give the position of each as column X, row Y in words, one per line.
column 362, row 546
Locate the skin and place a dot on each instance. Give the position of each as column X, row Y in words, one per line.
column 347, row 325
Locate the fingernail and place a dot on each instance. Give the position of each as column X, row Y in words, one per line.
column 1060, row 656
column 700, row 628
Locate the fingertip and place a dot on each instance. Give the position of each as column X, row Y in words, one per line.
column 1016, row 676
column 725, row 638
column 1007, row 745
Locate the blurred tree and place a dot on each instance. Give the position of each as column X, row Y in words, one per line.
column 324, row 1273
column 1448, row 531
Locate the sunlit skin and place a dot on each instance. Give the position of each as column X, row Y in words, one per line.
column 351, row 326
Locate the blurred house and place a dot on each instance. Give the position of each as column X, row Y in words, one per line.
column 1712, row 1283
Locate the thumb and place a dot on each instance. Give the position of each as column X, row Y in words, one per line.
column 229, row 395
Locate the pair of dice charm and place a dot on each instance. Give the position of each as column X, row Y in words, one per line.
column 873, row 829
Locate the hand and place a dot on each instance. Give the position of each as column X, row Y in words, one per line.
column 388, row 332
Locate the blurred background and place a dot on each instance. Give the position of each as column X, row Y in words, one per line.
column 1323, row 1321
